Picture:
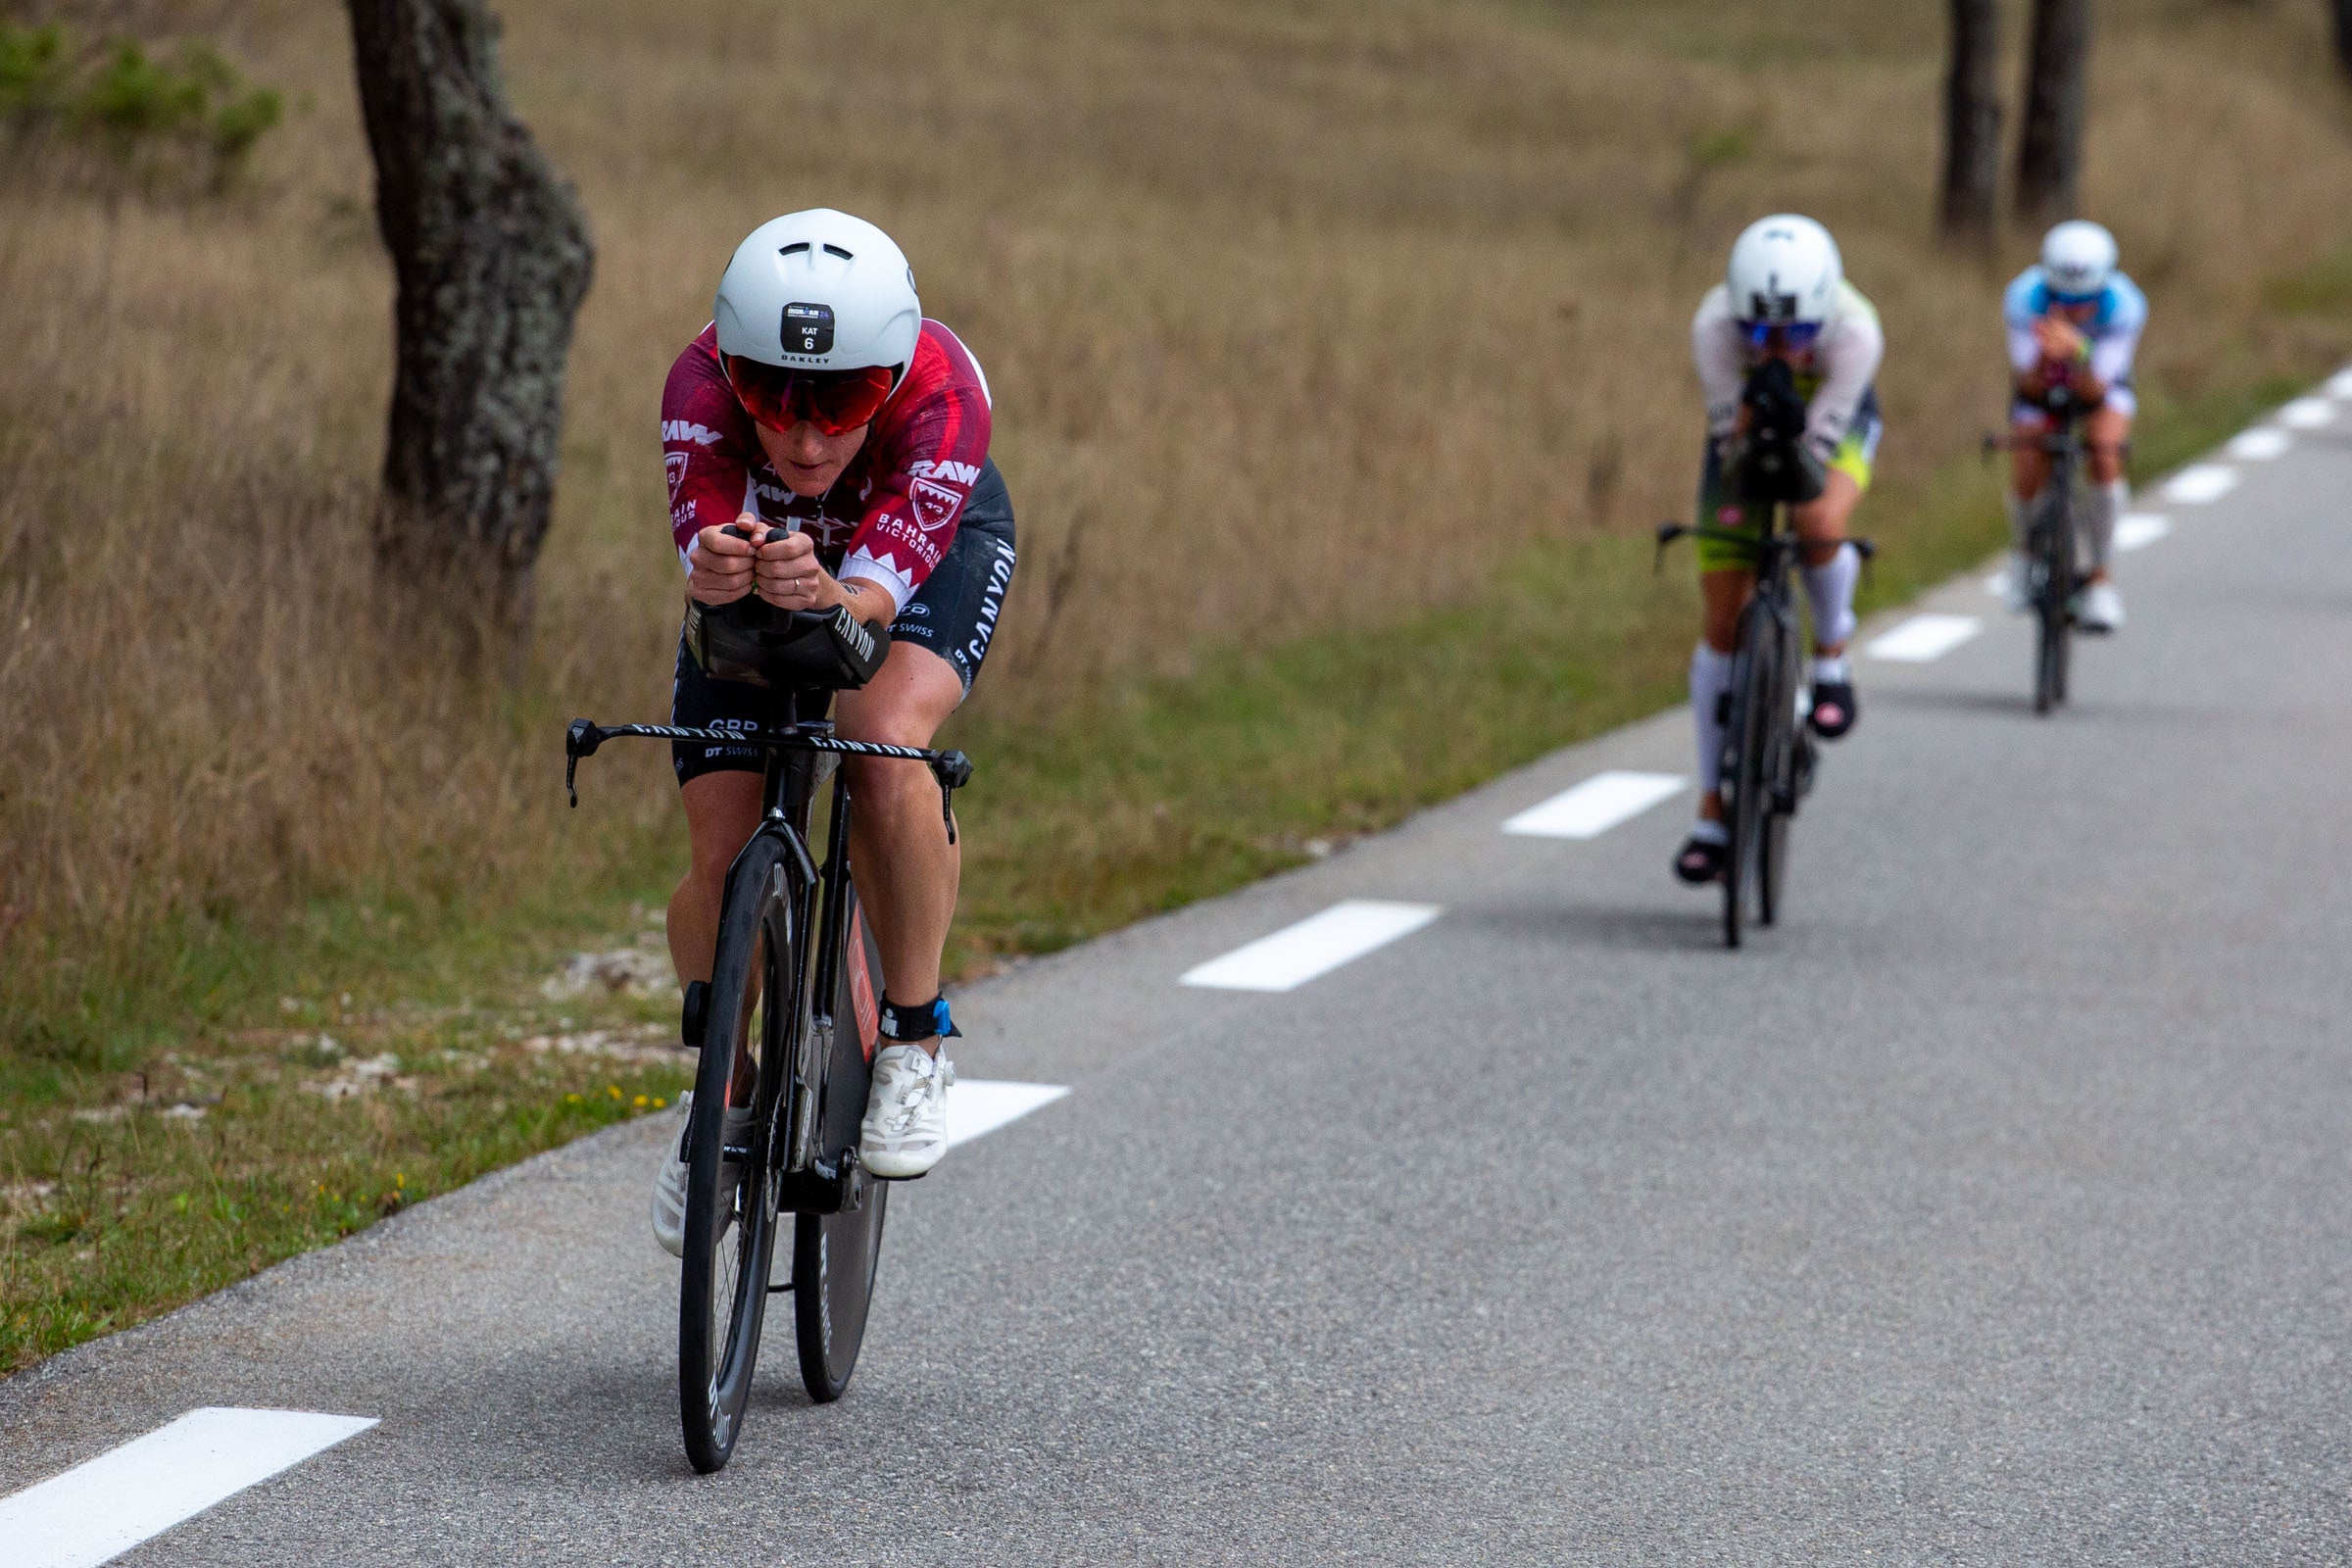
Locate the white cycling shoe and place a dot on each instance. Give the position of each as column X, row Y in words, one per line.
column 2100, row 609
column 905, row 1127
column 669, row 1182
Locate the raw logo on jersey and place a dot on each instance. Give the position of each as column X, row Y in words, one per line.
column 934, row 504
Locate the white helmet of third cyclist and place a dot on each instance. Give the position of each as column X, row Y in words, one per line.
column 820, row 290
column 2078, row 257
column 1785, row 272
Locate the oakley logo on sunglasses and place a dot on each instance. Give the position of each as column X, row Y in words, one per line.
column 808, row 328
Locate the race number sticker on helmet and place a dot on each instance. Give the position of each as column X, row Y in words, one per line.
column 807, row 327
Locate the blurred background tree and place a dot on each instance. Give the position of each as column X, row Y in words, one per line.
column 1972, row 121
column 2049, row 147
column 492, row 255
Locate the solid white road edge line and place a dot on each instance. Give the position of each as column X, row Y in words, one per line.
column 1923, row 638
column 2307, row 413
column 977, row 1107
column 2137, row 531
column 135, row 1493
column 2201, row 482
column 1315, row 945
column 1595, row 806
column 2259, row 444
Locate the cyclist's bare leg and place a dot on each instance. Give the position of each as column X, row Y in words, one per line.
column 906, row 869
column 2104, row 433
column 1722, row 595
column 722, row 811
column 1822, row 524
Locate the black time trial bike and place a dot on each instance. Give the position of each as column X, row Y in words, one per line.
column 1769, row 755
column 787, row 1029
column 2054, row 543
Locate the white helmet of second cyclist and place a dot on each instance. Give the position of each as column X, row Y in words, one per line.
column 820, row 290
column 1785, row 269
column 2078, row 257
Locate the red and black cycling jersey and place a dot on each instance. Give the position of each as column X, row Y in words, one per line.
column 892, row 513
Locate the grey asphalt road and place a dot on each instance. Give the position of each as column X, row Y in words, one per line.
column 1996, row 1208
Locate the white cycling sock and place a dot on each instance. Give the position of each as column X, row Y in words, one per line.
column 1838, row 669
column 1710, row 678
column 2108, row 503
column 1831, row 587
column 2017, row 505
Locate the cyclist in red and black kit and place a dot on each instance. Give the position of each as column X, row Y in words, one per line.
column 823, row 415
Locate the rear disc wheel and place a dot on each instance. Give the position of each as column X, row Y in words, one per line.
column 834, row 1255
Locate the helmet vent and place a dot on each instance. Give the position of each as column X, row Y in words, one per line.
column 835, row 250
column 795, row 248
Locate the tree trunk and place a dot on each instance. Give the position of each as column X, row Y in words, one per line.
column 1972, row 121
column 2049, row 151
column 492, row 256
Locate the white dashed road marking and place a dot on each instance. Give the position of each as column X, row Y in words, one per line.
column 1923, row 638
column 1315, row 945
column 2199, row 484
column 2307, row 413
column 1595, row 806
column 2137, row 531
column 2340, row 385
column 135, row 1493
column 979, row 1106
column 2259, row 444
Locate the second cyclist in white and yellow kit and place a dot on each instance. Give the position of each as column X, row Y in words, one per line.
column 1784, row 297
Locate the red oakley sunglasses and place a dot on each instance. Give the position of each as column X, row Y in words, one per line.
column 836, row 402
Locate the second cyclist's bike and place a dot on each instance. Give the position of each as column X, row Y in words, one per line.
column 787, row 1028
column 1768, row 752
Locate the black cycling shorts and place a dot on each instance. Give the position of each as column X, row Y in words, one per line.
column 954, row 615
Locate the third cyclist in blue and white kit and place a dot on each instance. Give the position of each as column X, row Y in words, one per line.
column 2074, row 324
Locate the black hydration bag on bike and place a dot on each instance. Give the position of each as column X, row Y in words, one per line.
column 1774, row 464
column 752, row 639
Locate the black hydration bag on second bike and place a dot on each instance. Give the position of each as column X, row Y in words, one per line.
column 1773, row 463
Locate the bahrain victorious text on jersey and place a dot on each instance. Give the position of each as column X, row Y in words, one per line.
column 892, row 513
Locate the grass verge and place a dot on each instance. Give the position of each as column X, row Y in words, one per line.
column 248, row 1094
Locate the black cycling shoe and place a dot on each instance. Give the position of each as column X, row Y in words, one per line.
column 1699, row 862
column 1835, row 707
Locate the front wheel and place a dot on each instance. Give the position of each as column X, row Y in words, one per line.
column 2054, row 602
column 834, row 1255
column 730, row 1193
column 1748, row 809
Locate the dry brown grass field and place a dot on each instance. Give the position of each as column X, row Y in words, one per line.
column 1299, row 316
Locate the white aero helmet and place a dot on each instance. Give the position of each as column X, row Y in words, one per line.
column 820, row 290
column 1785, row 272
column 2078, row 257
